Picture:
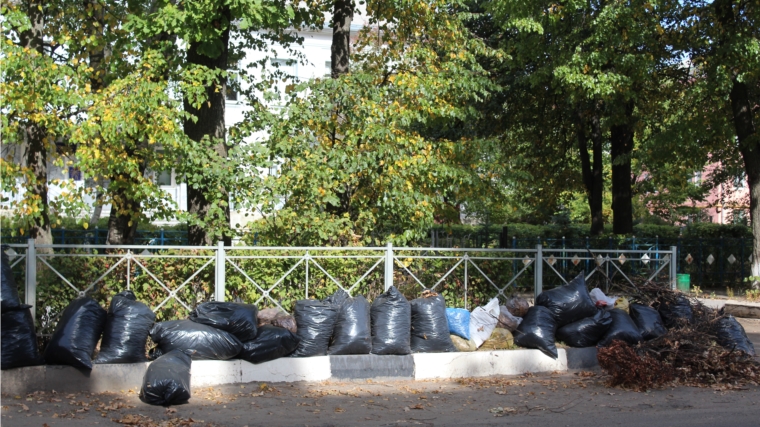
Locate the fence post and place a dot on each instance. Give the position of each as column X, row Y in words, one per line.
column 741, row 257
column 388, row 266
column 466, row 261
column 539, row 272
column 30, row 287
column 307, row 257
column 673, row 266
column 722, row 259
column 219, row 270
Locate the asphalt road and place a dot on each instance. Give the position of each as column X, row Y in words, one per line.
column 565, row 399
column 559, row 399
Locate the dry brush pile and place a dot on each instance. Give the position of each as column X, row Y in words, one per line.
column 690, row 353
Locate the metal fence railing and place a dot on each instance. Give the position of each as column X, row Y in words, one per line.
column 172, row 280
column 711, row 262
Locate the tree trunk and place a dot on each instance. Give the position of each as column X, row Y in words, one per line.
column 210, row 124
column 749, row 147
column 97, row 210
column 36, row 136
column 593, row 177
column 746, row 133
column 621, row 138
column 121, row 227
column 119, row 232
column 343, row 13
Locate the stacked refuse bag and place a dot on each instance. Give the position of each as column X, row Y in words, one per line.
column 578, row 318
column 18, row 340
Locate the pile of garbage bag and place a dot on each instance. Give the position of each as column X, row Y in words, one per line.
column 675, row 339
column 342, row 324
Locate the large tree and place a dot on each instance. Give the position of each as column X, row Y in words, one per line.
column 36, row 136
column 724, row 40
column 215, row 34
column 41, row 95
column 382, row 167
column 596, row 64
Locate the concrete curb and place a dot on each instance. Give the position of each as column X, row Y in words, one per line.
column 747, row 310
column 207, row 373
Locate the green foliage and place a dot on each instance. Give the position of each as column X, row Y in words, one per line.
column 708, row 230
column 36, row 91
column 369, row 156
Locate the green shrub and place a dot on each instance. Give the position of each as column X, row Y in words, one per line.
column 707, row 230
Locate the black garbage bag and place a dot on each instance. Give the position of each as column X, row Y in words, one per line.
column 430, row 328
column 272, row 343
column 277, row 317
column 731, row 335
column 167, row 380
column 18, row 340
column 537, row 331
column 315, row 321
column 76, row 334
column 586, row 332
column 154, row 353
column 676, row 313
column 236, row 318
column 391, row 317
column 623, row 328
column 568, row 303
column 648, row 321
column 126, row 331
column 353, row 332
column 338, row 298
column 8, row 289
column 196, row 339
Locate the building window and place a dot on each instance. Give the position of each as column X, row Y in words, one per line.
column 697, row 178
column 740, row 181
column 164, row 178
column 285, row 73
column 328, row 68
column 232, row 94
column 74, row 173
column 233, row 84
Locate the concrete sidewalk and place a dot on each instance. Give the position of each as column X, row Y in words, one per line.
column 744, row 309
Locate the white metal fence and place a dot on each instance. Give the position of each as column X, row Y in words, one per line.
column 464, row 275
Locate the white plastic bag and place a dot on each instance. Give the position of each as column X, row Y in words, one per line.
column 602, row 300
column 483, row 321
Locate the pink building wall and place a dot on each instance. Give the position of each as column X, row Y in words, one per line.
column 726, row 200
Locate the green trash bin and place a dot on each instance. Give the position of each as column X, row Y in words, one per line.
column 683, row 283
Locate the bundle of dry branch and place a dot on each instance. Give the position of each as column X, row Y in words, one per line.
column 687, row 354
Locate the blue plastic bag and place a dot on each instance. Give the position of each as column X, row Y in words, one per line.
column 459, row 322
